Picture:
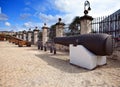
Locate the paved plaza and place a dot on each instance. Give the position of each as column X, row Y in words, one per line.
column 29, row 67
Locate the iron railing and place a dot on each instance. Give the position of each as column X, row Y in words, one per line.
column 107, row 24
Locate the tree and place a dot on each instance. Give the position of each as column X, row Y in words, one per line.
column 74, row 26
column 40, row 35
column 52, row 32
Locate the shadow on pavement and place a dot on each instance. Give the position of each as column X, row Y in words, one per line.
column 61, row 63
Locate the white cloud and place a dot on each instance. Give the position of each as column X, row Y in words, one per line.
column 16, row 28
column 28, row 24
column 76, row 7
column 7, row 24
column 52, row 19
column 104, row 7
column 32, row 25
column 28, row 3
column 20, row 29
column 99, row 8
column 72, row 8
column 25, row 16
column 39, row 5
column 48, row 18
column 67, row 9
column 3, row 17
column 69, row 6
column 26, row 9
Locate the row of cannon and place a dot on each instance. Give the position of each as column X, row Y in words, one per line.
column 99, row 44
column 19, row 42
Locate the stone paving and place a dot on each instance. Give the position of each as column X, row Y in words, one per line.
column 29, row 67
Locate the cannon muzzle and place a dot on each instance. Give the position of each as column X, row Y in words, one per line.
column 99, row 44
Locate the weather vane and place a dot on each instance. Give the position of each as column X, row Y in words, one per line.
column 86, row 7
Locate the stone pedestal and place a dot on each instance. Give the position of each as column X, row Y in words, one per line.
column 20, row 35
column 29, row 35
column 82, row 57
column 59, row 32
column 35, row 33
column 44, row 34
column 17, row 35
column 85, row 24
column 59, row 28
column 24, row 35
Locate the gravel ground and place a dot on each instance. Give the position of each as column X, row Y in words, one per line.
column 29, row 67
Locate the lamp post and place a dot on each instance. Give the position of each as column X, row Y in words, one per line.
column 86, row 20
column 86, row 7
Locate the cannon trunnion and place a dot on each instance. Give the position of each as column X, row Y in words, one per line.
column 99, row 44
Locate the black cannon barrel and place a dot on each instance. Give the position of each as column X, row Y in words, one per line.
column 99, row 44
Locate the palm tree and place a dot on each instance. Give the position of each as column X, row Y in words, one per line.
column 52, row 32
column 74, row 26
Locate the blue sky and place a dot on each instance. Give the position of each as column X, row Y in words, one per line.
column 24, row 14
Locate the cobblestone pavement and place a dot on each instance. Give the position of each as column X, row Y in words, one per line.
column 29, row 67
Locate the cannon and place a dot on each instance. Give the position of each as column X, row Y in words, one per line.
column 99, row 44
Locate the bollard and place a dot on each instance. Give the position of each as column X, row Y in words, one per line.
column 51, row 50
column 41, row 47
column 38, row 47
column 54, row 50
column 45, row 48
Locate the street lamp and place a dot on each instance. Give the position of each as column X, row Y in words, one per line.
column 86, row 7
